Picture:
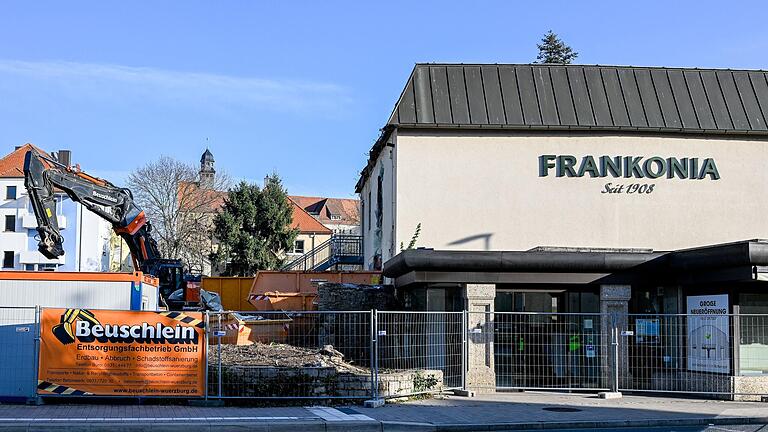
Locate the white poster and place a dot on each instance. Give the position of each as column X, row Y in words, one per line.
column 708, row 334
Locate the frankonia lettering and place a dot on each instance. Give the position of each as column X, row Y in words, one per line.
column 654, row 167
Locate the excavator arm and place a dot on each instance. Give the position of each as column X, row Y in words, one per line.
column 42, row 174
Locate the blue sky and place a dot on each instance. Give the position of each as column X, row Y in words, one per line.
column 300, row 88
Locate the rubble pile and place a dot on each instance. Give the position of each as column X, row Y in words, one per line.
column 283, row 356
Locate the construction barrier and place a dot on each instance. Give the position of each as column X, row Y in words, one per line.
column 376, row 354
column 120, row 353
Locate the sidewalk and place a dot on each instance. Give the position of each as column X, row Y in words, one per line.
column 501, row 411
column 536, row 410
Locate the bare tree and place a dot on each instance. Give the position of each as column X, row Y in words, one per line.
column 179, row 208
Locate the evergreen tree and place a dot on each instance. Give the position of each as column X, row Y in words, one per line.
column 553, row 50
column 253, row 228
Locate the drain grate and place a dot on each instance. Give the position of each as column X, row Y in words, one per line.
column 561, row 409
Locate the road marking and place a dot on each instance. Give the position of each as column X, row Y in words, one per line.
column 334, row 415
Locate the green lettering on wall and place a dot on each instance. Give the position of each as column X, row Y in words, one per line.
column 677, row 167
column 588, row 166
column 545, row 163
column 709, row 169
column 565, row 166
column 654, row 167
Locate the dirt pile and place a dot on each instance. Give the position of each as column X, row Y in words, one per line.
column 281, row 355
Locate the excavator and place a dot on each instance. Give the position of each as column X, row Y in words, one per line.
column 43, row 173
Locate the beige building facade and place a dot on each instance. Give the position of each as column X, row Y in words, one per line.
column 487, row 191
column 632, row 194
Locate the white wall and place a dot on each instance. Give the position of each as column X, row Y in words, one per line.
column 94, row 242
column 483, row 192
column 384, row 244
column 12, row 241
column 86, row 240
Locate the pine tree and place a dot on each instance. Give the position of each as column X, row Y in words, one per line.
column 253, row 228
column 553, row 50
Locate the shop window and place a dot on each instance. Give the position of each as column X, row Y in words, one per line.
column 10, row 192
column 298, row 247
column 8, row 259
column 10, row 223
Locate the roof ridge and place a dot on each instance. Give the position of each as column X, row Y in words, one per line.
column 596, row 65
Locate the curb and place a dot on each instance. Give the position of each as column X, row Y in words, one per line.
column 392, row 426
column 362, row 426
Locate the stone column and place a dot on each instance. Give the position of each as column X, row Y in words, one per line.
column 614, row 307
column 480, row 373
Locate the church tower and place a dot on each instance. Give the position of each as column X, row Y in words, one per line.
column 207, row 172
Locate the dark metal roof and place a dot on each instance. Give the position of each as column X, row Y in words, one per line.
column 749, row 256
column 591, row 97
column 624, row 99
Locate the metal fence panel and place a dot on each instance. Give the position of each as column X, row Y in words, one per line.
column 290, row 354
column 419, row 352
column 398, row 354
column 550, row 351
column 18, row 337
column 706, row 354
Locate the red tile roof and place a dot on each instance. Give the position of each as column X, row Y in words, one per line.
column 301, row 220
column 305, row 222
column 12, row 164
column 347, row 209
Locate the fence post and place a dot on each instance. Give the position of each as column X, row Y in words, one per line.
column 207, row 347
column 372, row 355
column 464, row 326
column 219, row 344
column 376, row 356
column 615, row 356
column 374, row 402
column 38, row 335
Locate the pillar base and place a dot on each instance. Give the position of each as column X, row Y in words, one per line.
column 374, row 403
column 609, row 395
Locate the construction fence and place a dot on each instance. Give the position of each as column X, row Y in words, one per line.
column 389, row 354
column 386, row 354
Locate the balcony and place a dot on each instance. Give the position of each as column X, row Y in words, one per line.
column 29, row 221
column 35, row 257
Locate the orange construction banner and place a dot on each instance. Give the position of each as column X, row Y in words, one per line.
column 121, row 353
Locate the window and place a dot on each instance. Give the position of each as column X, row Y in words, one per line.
column 362, row 212
column 46, row 267
column 10, row 223
column 10, row 192
column 8, row 259
column 298, row 247
column 369, row 210
column 29, row 267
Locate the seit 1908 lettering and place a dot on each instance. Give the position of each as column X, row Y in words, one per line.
column 631, row 188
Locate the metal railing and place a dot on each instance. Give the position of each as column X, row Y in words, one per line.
column 339, row 249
